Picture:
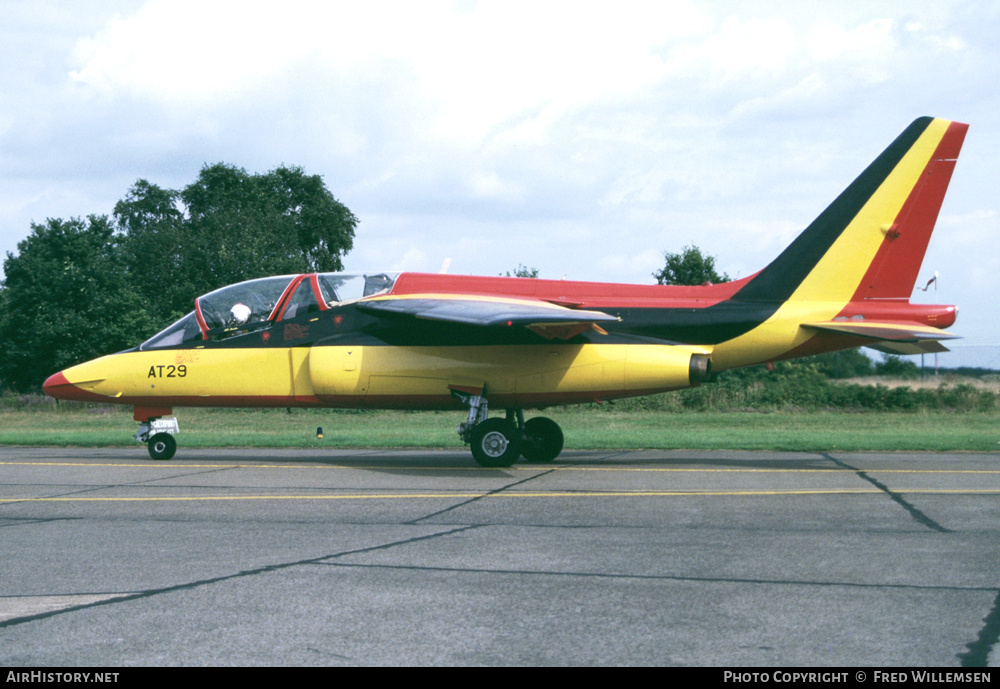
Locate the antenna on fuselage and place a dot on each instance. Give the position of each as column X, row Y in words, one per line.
column 444, row 266
column 932, row 281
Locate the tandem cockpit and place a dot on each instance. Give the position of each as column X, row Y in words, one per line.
column 258, row 304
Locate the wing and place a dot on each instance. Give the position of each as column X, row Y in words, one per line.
column 548, row 320
column 888, row 336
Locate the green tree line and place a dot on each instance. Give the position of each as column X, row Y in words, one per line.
column 83, row 287
column 807, row 385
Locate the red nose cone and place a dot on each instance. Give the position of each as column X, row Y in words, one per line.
column 59, row 387
column 53, row 383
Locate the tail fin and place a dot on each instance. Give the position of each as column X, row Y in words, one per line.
column 869, row 243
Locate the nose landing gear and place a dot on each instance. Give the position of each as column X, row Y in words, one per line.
column 157, row 432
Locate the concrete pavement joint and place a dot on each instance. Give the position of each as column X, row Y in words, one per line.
column 898, row 499
column 227, row 577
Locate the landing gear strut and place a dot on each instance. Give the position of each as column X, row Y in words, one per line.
column 498, row 443
column 158, row 434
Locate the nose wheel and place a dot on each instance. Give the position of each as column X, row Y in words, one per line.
column 158, row 435
column 162, row 446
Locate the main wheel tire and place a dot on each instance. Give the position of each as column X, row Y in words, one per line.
column 543, row 440
column 495, row 443
column 162, row 446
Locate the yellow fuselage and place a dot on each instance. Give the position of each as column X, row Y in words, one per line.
column 384, row 377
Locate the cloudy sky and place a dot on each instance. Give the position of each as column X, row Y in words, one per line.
column 580, row 138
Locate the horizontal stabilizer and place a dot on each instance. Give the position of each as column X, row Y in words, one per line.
column 893, row 338
column 906, row 348
column 548, row 320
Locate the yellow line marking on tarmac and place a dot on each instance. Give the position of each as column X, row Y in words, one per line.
column 537, row 467
column 789, row 471
column 514, row 494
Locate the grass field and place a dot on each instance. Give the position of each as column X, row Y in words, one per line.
column 584, row 428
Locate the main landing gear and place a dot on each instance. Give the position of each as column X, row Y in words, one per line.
column 501, row 442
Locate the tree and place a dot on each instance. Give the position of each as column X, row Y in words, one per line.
column 82, row 288
column 253, row 225
column 78, row 289
column 894, row 366
column 66, row 301
column 3, row 334
column 228, row 226
column 690, row 267
column 523, row 272
column 847, row 363
column 151, row 234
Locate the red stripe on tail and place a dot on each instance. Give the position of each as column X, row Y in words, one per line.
column 893, row 272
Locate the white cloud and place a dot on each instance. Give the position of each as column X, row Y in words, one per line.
column 869, row 41
column 179, row 50
column 479, row 67
column 743, row 46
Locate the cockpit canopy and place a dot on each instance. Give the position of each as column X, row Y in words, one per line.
column 257, row 304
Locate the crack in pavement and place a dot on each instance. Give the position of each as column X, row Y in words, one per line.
column 917, row 515
column 479, row 497
column 265, row 569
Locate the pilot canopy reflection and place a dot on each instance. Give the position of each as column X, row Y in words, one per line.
column 257, row 304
